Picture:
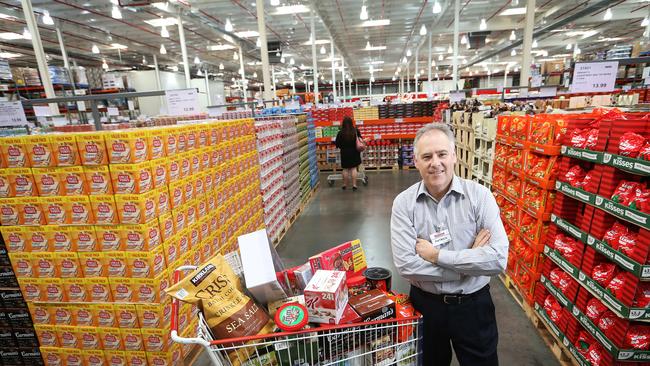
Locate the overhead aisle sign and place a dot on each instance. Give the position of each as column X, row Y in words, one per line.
column 589, row 77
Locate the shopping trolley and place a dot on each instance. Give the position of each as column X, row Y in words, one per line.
column 382, row 342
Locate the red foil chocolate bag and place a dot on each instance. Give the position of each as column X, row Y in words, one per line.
column 631, row 144
column 625, row 192
column 637, row 337
column 603, row 273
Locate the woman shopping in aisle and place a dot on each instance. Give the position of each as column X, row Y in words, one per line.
column 346, row 141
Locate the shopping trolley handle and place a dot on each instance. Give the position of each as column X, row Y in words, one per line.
column 174, row 318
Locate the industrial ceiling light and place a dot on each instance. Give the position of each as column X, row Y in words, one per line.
column 436, row 76
column 116, row 13
column 535, row 43
column 323, row 50
column 423, row 30
column 282, row 59
column 513, row 36
column 292, row 61
column 568, row 46
column 26, row 34
column 163, row 50
column 437, row 9
column 95, row 49
column 275, row 2
column 255, row 74
column 463, row 39
column 433, row 62
column 197, row 60
column 513, row 52
column 104, row 64
column 404, row 60
column 471, row 73
column 450, row 50
column 364, row 13
column 408, row 53
column 399, row 69
column 645, row 22
column 164, row 32
column 440, row 57
column 221, row 67
column 483, row 24
column 608, row 14
column 144, row 60
column 199, row 73
column 258, row 44
column 47, row 19
column 235, row 56
column 394, row 78
column 229, row 27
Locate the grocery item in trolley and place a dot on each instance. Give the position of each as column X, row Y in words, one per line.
column 326, row 296
column 348, row 257
column 259, row 269
column 216, row 289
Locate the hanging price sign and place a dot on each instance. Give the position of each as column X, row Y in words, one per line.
column 12, row 114
column 182, row 102
column 594, row 77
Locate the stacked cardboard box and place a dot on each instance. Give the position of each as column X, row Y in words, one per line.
column 100, row 221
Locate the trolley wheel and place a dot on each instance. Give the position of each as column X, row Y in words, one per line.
column 330, row 182
column 365, row 180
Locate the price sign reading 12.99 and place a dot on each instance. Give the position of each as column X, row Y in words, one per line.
column 594, row 77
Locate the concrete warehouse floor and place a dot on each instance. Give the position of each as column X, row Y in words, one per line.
column 334, row 216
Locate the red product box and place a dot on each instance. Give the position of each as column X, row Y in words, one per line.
column 631, row 122
column 326, row 296
column 348, row 257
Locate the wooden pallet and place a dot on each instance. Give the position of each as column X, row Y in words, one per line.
column 377, row 168
column 558, row 349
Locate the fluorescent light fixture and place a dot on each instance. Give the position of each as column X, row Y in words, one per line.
column 47, row 19
column 436, row 76
column 26, row 33
column 513, row 11
column 9, row 55
column 221, row 47
column 423, row 30
column 463, row 39
column 329, row 59
column 375, row 23
column 437, row 9
column 199, row 73
column 318, row 41
column 513, row 36
column 254, row 63
column 229, row 27
column 221, row 67
column 404, row 60
column 378, row 62
column 197, row 60
column 399, row 69
column 608, row 14
column 95, row 49
column 164, row 32
column 483, row 24
column 118, row 46
column 292, row 61
column 10, row 36
column 161, row 22
column 408, row 53
column 441, row 57
column 6, row 16
column 433, row 62
column 364, row 13
column 450, row 50
column 535, row 43
column 235, row 56
column 374, row 48
column 116, row 13
column 323, row 50
column 175, row 68
column 645, row 22
column 255, row 74
column 394, row 78
column 513, row 52
column 247, row 34
column 275, row 2
column 163, row 50
column 291, row 9
column 568, row 46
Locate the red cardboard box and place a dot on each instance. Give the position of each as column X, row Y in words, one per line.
column 348, row 257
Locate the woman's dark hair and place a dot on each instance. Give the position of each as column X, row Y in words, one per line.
column 348, row 132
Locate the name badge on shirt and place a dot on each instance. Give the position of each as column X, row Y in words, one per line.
column 440, row 237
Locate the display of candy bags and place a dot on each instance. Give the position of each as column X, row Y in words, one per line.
column 644, row 153
column 627, row 243
column 617, row 285
column 513, row 186
column 612, row 236
column 515, row 159
column 567, row 247
column 553, row 308
column 527, row 225
column 586, row 182
column 625, row 192
column 575, row 175
column 642, row 298
column 500, row 153
column 578, row 138
column 641, row 200
column 603, row 273
column 637, row 337
column 518, row 127
column 595, row 355
column 537, row 166
column 631, row 144
column 560, row 279
column 594, row 310
column 585, row 340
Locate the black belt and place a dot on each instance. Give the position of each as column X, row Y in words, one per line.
column 454, row 299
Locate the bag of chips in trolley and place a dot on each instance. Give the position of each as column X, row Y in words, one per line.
column 216, row 290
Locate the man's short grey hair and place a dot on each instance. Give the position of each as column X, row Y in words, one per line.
column 442, row 127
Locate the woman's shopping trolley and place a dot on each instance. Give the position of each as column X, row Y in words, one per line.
column 335, row 158
column 382, row 342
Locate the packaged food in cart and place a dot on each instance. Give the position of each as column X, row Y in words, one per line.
column 326, row 296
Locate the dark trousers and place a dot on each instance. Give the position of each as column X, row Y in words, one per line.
column 469, row 326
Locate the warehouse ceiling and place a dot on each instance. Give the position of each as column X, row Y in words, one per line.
column 125, row 42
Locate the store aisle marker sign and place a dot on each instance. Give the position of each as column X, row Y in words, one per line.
column 12, row 114
column 182, row 102
column 594, row 77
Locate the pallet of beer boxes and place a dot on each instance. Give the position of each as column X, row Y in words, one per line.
column 334, row 287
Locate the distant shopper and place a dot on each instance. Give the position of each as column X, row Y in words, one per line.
column 346, row 141
column 447, row 240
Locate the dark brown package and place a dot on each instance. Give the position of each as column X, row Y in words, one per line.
column 7, row 277
column 373, row 305
column 26, row 337
column 32, row 356
column 12, row 298
column 7, row 338
column 11, row 357
column 4, row 322
column 19, row 318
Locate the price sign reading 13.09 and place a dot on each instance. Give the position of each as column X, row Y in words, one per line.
column 594, row 77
